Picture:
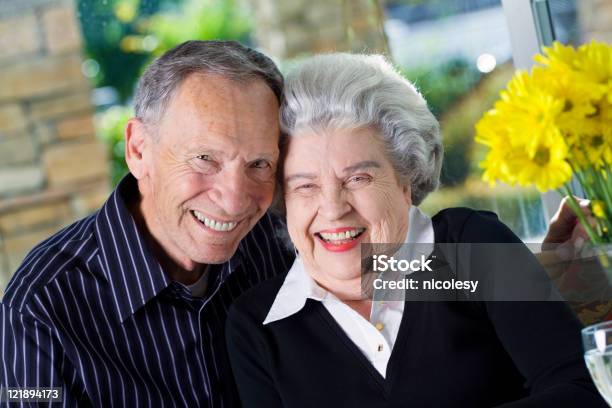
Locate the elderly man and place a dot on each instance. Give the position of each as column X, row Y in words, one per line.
column 127, row 306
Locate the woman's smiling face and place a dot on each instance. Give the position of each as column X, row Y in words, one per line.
column 341, row 190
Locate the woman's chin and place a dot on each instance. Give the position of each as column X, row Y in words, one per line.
column 340, row 266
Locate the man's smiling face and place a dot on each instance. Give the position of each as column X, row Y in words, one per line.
column 210, row 167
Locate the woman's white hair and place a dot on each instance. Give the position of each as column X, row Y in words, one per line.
column 337, row 91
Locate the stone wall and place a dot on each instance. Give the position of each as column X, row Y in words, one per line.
column 52, row 168
column 595, row 20
column 287, row 29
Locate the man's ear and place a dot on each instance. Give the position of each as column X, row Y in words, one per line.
column 136, row 140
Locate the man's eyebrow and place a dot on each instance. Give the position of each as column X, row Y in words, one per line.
column 366, row 164
column 202, row 149
column 198, row 149
column 266, row 155
column 308, row 176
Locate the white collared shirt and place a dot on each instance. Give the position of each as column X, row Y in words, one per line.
column 376, row 337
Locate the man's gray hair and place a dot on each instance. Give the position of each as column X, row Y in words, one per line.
column 341, row 90
column 229, row 59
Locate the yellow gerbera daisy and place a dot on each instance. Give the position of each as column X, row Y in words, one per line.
column 530, row 118
column 548, row 169
column 553, row 121
column 576, row 98
column 558, row 55
column 594, row 62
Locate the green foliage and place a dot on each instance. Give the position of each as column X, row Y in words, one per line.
column 105, row 23
column 457, row 161
column 123, row 35
column 443, row 86
column 197, row 20
column 462, row 154
column 110, row 126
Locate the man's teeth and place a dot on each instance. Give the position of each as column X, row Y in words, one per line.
column 213, row 224
column 341, row 236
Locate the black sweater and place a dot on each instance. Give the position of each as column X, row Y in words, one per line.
column 447, row 354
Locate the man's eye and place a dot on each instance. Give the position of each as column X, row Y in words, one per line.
column 205, row 164
column 308, row 186
column 260, row 164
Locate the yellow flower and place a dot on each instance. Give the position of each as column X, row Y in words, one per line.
column 589, row 67
column 604, row 112
column 553, row 121
column 512, row 162
column 558, row 55
column 529, row 113
column 547, row 169
column 494, row 169
column 491, row 132
column 598, row 209
column 490, row 129
column 576, row 98
column 595, row 150
column 590, row 139
column 594, row 63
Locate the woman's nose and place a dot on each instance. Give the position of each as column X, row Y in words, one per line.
column 333, row 204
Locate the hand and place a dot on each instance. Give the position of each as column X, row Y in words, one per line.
column 565, row 228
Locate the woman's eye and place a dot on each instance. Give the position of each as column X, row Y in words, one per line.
column 308, row 186
column 359, row 179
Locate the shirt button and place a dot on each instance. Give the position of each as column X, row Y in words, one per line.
column 379, row 326
column 380, row 347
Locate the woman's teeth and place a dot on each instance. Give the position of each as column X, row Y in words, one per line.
column 341, row 236
column 213, row 224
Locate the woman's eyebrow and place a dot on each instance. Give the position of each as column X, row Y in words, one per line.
column 366, row 164
column 309, row 176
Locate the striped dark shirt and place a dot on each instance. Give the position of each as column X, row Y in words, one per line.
column 91, row 310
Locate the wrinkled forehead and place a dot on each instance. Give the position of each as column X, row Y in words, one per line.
column 209, row 106
column 210, row 92
column 332, row 148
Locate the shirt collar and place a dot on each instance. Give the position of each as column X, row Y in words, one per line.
column 296, row 289
column 299, row 286
column 420, row 235
column 134, row 274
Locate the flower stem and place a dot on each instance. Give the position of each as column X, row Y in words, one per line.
column 578, row 211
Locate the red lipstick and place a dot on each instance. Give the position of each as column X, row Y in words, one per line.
column 341, row 245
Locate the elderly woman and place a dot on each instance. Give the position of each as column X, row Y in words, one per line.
column 363, row 152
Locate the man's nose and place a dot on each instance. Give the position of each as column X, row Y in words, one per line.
column 232, row 191
column 333, row 204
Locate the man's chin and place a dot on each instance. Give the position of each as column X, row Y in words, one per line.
column 215, row 253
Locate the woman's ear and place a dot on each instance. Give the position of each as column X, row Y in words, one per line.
column 407, row 194
column 136, row 140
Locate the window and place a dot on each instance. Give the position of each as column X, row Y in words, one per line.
column 460, row 55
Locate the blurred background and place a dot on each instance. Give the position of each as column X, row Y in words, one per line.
column 68, row 70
